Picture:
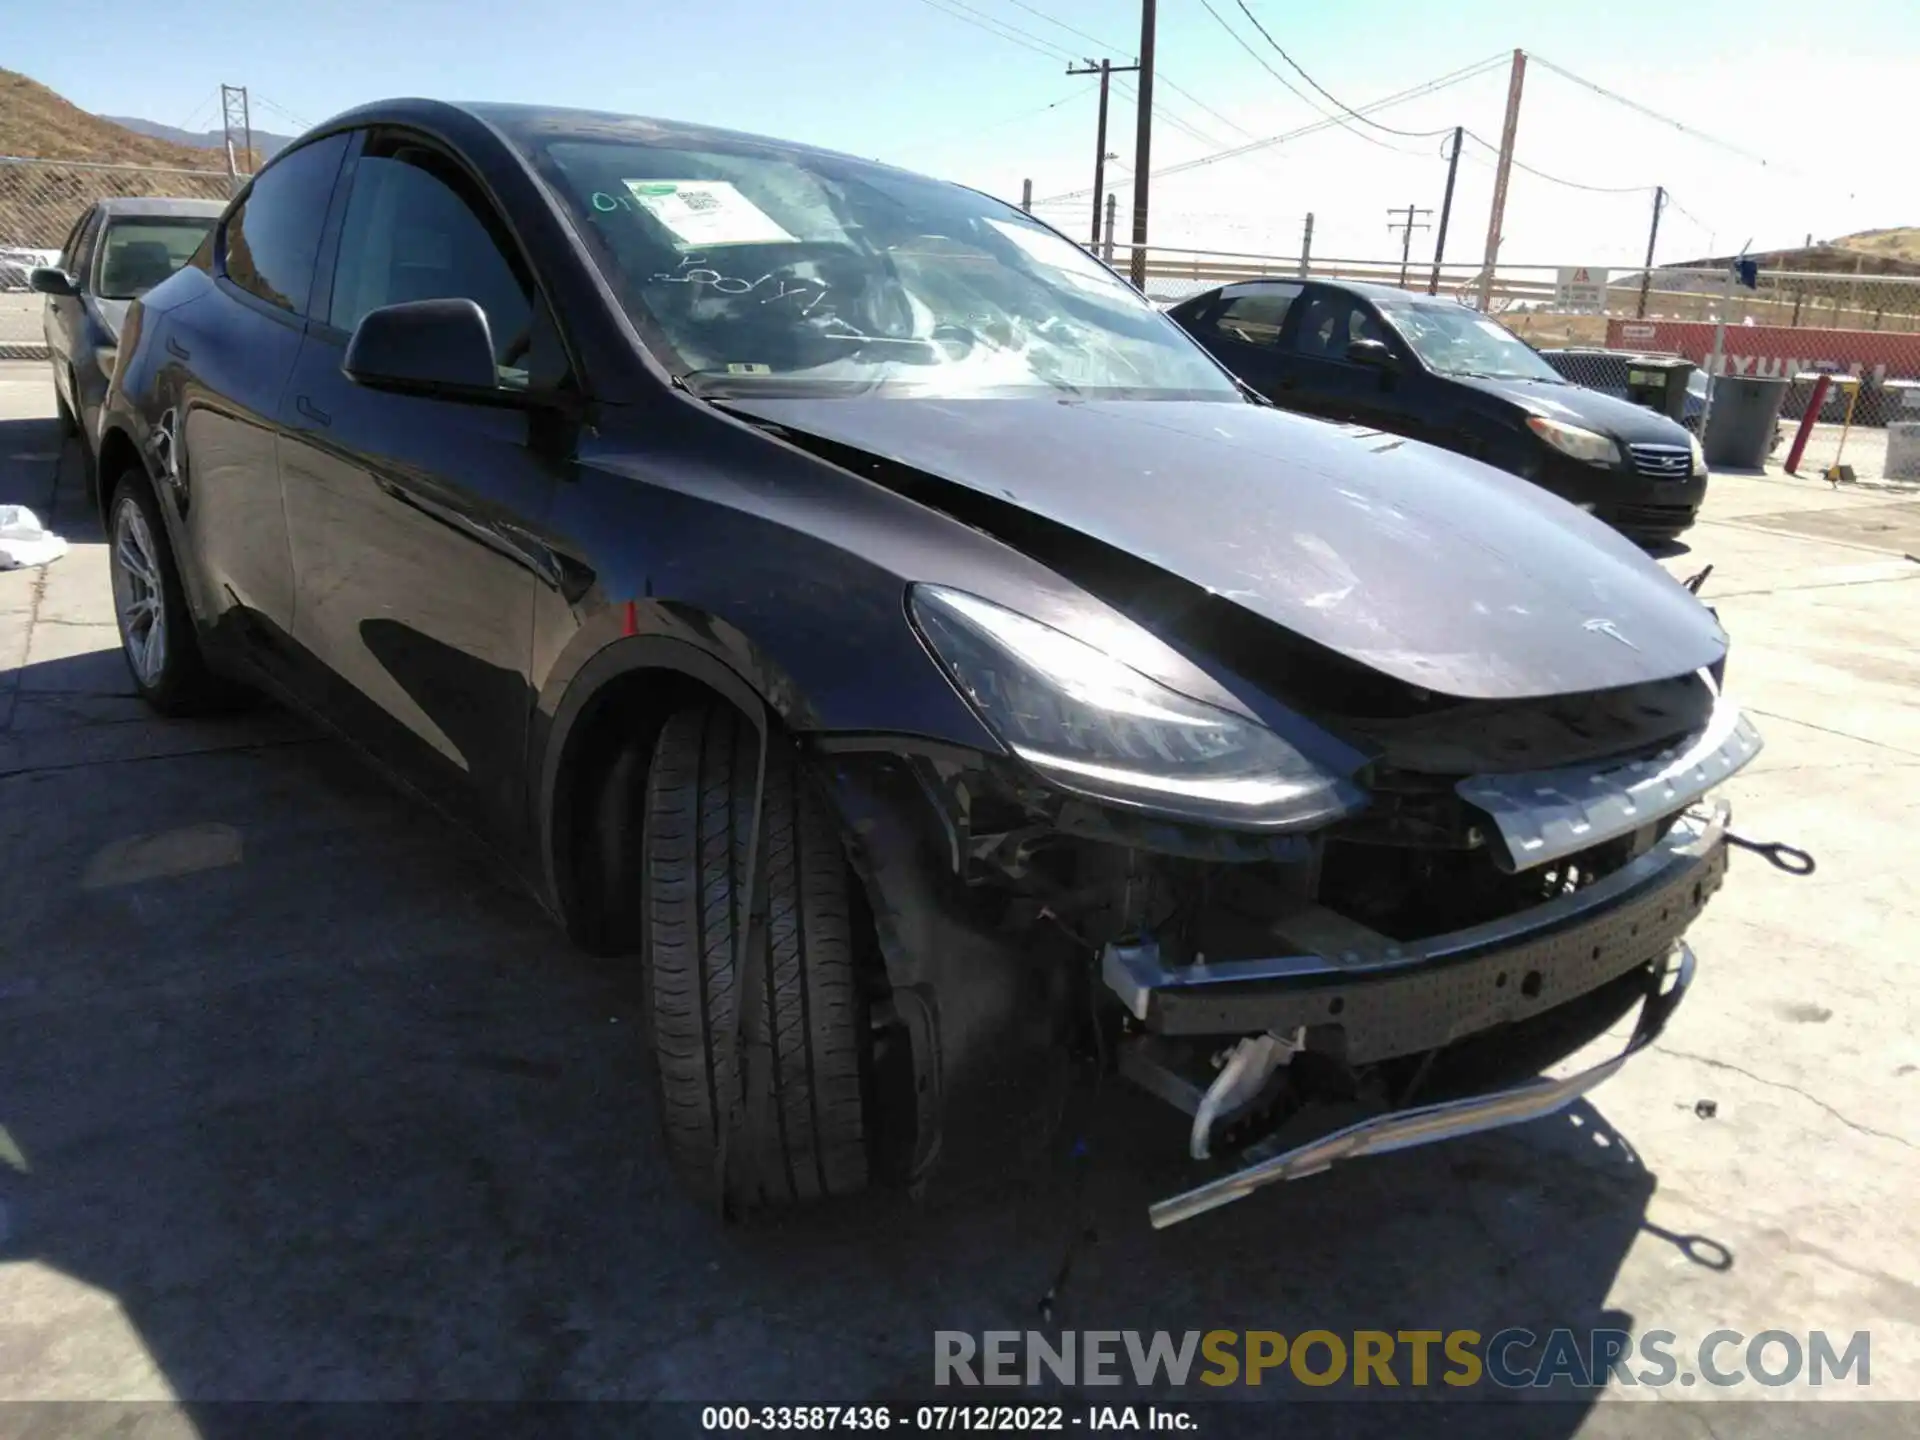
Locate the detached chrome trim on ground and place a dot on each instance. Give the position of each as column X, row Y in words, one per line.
column 1426, row 1124
column 1545, row 815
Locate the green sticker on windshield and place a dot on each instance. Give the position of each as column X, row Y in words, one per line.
column 641, row 188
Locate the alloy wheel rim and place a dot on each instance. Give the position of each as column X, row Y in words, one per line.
column 137, row 593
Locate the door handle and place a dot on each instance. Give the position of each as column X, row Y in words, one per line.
column 312, row 411
column 177, row 350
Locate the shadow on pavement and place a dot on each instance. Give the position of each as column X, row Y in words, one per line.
column 326, row 1111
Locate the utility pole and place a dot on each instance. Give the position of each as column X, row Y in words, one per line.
column 1446, row 211
column 1106, row 70
column 236, row 114
column 1026, row 196
column 1306, row 246
column 1143, row 149
column 1113, row 206
column 1497, row 218
column 1406, row 228
column 1646, row 274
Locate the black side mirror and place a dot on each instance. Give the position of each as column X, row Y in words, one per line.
column 1371, row 352
column 51, row 280
column 442, row 348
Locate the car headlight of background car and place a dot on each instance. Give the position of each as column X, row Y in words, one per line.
column 1094, row 725
column 1699, row 455
column 1588, row 445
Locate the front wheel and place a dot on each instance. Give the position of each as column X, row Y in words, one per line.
column 796, row 1114
column 156, row 628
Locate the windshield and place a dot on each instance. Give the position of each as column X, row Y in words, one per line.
column 753, row 268
column 136, row 255
column 1453, row 340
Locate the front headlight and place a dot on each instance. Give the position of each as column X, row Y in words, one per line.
column 1094, row 725
column 1699, row 455
column 1587, row 445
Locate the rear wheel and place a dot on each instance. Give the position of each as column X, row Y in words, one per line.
column 796, row 1114
column 156, row 628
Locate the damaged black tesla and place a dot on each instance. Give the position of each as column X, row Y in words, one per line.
column 862, row 613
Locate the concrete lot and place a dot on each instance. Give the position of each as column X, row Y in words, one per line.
column 296, row 1101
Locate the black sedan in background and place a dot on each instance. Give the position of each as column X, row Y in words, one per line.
column 1434, row 370
column 117, row 251
column 864, row 616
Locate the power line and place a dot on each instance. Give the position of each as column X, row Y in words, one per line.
column 1041, row 14
column 972, row 130
column 210, row 99
column 1027, row 40
column 1128, row 92
column 1675, row 205
column 1555, row 179
column 1160, row 75
column 1413, row 92
column 1260, row 60
column 283, row 112
column 1410, row 134
column 1651, row 113
column 1013, row 34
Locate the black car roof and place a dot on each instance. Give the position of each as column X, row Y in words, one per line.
column 158, row 206
column 1367, row 289
column 526, row 124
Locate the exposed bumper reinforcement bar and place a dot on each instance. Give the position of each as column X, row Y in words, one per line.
column 1425, row 1124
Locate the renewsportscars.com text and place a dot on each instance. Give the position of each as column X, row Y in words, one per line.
column 1513, row 1358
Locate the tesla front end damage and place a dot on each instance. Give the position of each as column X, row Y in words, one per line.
column 1474, row 886
column 1294, row 871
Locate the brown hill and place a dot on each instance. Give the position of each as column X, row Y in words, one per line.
column 37, row 123
column 40, row 202
column 1901, row 243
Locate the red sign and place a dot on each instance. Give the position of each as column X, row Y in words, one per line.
column 1780, row 351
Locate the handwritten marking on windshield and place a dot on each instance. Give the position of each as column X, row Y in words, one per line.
column 694, row 271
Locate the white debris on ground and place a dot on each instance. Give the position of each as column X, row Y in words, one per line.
column 25, row 541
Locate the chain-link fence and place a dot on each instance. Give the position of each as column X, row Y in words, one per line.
column 39, row 202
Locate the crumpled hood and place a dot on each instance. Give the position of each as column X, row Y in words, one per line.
column 1591, row 409
column 1434, row 569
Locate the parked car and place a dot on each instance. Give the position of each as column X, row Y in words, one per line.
column 1434, row 370
column 116, row 251
column 17, row 264
column 856, row 608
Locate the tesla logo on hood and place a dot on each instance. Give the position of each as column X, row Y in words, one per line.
column 1607, row 627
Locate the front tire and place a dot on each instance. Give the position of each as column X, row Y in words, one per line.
column 800, row 1126
column 157, row 637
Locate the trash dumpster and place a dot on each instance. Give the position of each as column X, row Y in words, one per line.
column 1659, row 382
column 1900, row 400
column 1740, row 428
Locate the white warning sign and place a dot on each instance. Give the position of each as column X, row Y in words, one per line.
column 1580, row 289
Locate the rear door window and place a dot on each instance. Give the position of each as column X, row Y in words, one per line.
column 270, row 242
column 1333, row 321
column 1254, row 317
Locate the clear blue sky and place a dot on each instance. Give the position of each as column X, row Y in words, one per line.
column 924, row 83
